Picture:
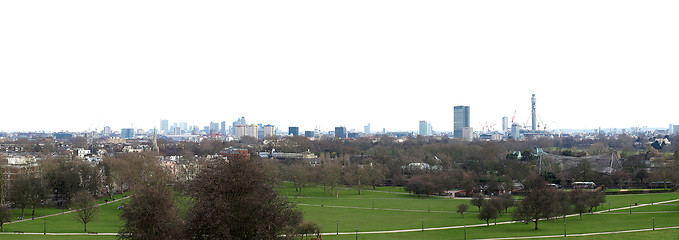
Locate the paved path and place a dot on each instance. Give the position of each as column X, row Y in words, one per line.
column 70, row 211
column 585, row 234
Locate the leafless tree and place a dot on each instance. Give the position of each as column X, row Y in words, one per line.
column 84, row 203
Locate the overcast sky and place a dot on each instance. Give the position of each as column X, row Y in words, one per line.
column 79, row 65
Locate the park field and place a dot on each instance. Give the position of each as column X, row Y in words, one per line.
column 392, row 213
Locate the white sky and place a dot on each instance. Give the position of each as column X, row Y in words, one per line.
column 74, row 65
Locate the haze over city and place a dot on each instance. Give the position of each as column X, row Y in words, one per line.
column 80, row 65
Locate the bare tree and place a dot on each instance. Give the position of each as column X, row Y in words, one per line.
column 85, row 211
column 461, row 208
column 5, row 216
column 236, row 200
column 151, row 214
column 540, row 202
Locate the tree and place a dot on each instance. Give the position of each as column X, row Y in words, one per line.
column 540, row 202
column 497, row 204
column 488, row 211
column 151, row 214
column 507, row 201
column 5, row 216
column 478, row 200
column 36, row 193
column 461, row 208
column 19, row 193
column 595, row 199
column 85, row 211
column 236, row 200
column 579, row 201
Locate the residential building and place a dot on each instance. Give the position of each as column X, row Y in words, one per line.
column 252, row 130
column 269, row 131
column 425, row 128
column 239, row 131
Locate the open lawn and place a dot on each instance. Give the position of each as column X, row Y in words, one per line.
column 391, row 208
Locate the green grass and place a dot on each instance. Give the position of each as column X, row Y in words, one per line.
column 392, row 208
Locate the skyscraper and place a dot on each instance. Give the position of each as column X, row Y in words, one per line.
column 222, row 130
column 366, row 129
column 294, row 131
column 164, row 126
column 461, row 120
column 214, row 128
column 505, row 124
column 425, row 128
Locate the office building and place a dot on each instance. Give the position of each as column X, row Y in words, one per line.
column 309, row 134
column 127, row 133
column 222, row 129
column 366, row 129
column 341, row 132
column 184, row 126
column 294, row 131
column 461, row 120
column 214, row 128
column 425, row 128
column 177, row 131
column 164, row 126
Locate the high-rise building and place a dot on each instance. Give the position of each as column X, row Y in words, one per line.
column 467, row 134
column 127, row 133
column 239, row 131
column 293, row 130
column 269, row 131
column 309, row 134
column 184, row 126
column 505, row 124
column 222, row 130
column 366, row 129
column 533, row 125
column 252, row 130
column 107, row 131
column 177, row 131
column 516, row 131
column 214, row 128
column 461, row 120
column 425, row 128
column 341, row 132
column 164, row 126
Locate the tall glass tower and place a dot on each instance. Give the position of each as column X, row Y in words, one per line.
column 461, row 120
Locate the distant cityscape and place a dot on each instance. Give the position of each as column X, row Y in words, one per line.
column 509, row 129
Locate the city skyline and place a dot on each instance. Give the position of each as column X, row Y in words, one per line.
column 79, row 66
